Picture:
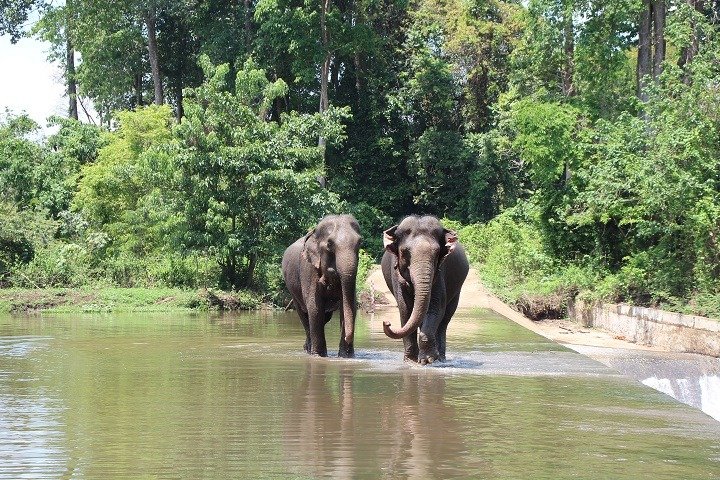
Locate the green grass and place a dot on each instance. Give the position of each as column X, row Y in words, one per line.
column 90, row 300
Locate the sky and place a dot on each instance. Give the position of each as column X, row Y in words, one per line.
column 30, row 83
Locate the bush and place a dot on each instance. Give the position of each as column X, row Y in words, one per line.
column 372, row 224
column 185, row 271
column 508, row 250
column 513, row 262
column 56, row 265
column 365, row 264
column 232, row 301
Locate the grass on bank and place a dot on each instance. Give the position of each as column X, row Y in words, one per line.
column 511, row 260
column 105, row 299
column 110, row 299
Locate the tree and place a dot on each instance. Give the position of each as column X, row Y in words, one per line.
column 13, row 16
column 22, row 233
column 651, row 44
column 131, row 167
column 19, row 157
column 243, row 180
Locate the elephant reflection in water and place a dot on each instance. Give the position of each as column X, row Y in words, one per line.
column 425, row 431
column 318, row 433
column 345, row 424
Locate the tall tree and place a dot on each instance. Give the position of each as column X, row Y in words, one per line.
column 325, row 65
column 244, row 178
column 568, row 70
column 149, row 15
column 690, row 49
column 70, row 62
column 651, row 44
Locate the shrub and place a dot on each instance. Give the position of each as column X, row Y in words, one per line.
column 56, row 265
column 365, row 264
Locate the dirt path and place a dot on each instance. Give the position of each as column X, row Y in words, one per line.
column 475, row 295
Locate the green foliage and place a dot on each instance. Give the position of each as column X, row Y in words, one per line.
column 546, row 139
column 56, row 265
column 523, row 116
column 365, row 264
column 130, row 162
column 248, row 186
column 13, row 16
column 23, row 233
column 19, row 156
column 508, row 249
column 373, row 223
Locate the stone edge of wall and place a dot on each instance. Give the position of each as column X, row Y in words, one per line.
column 649, row 326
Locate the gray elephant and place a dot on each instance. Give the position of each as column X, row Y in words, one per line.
column 319, row 270
column 424, row 267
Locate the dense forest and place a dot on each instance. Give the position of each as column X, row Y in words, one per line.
column 574, row 145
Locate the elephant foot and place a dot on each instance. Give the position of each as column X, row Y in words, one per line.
column 306, row 347
column 429, row 352
column 318, row 352
column 410, row 358
column 411, row 354
column 427, row 359
column 346, row 351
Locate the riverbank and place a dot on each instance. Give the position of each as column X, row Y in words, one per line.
column 475, row 295
column 110, row 299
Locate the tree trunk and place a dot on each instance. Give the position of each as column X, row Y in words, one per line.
column 70, row 74
column 325, row 67
column 569, row 48
column 688, row 52
column 179, row 112
column 659, row 14
column 138, row 90
column 358, row 78
column 250, row 272
column 357, row 63
column 644, row 55
column 335, row 74
column 153, row 54
column 248, row 27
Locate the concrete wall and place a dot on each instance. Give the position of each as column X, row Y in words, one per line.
column 649, row 326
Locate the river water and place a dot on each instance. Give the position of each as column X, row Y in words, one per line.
column 203, row 396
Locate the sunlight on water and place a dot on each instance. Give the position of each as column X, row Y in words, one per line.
column 235, row 397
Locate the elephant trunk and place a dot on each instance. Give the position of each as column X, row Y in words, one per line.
column 422, row 276
column 348, row 276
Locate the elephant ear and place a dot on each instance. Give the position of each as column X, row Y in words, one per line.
column 311, row 250
column 390, row 240
column 450, row 241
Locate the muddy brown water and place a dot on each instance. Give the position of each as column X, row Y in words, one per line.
column 199, row 396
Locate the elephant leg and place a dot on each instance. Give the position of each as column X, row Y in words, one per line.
column 316, row 320
column 410, row 343
column 306, row 324
column 442, row 330
column 429, row 335
column 345, row 350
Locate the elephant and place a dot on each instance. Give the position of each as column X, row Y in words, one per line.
column 424, row 267
column 319, row 271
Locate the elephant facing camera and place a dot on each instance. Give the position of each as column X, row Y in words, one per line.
column 320, row 271
column 424, row 267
